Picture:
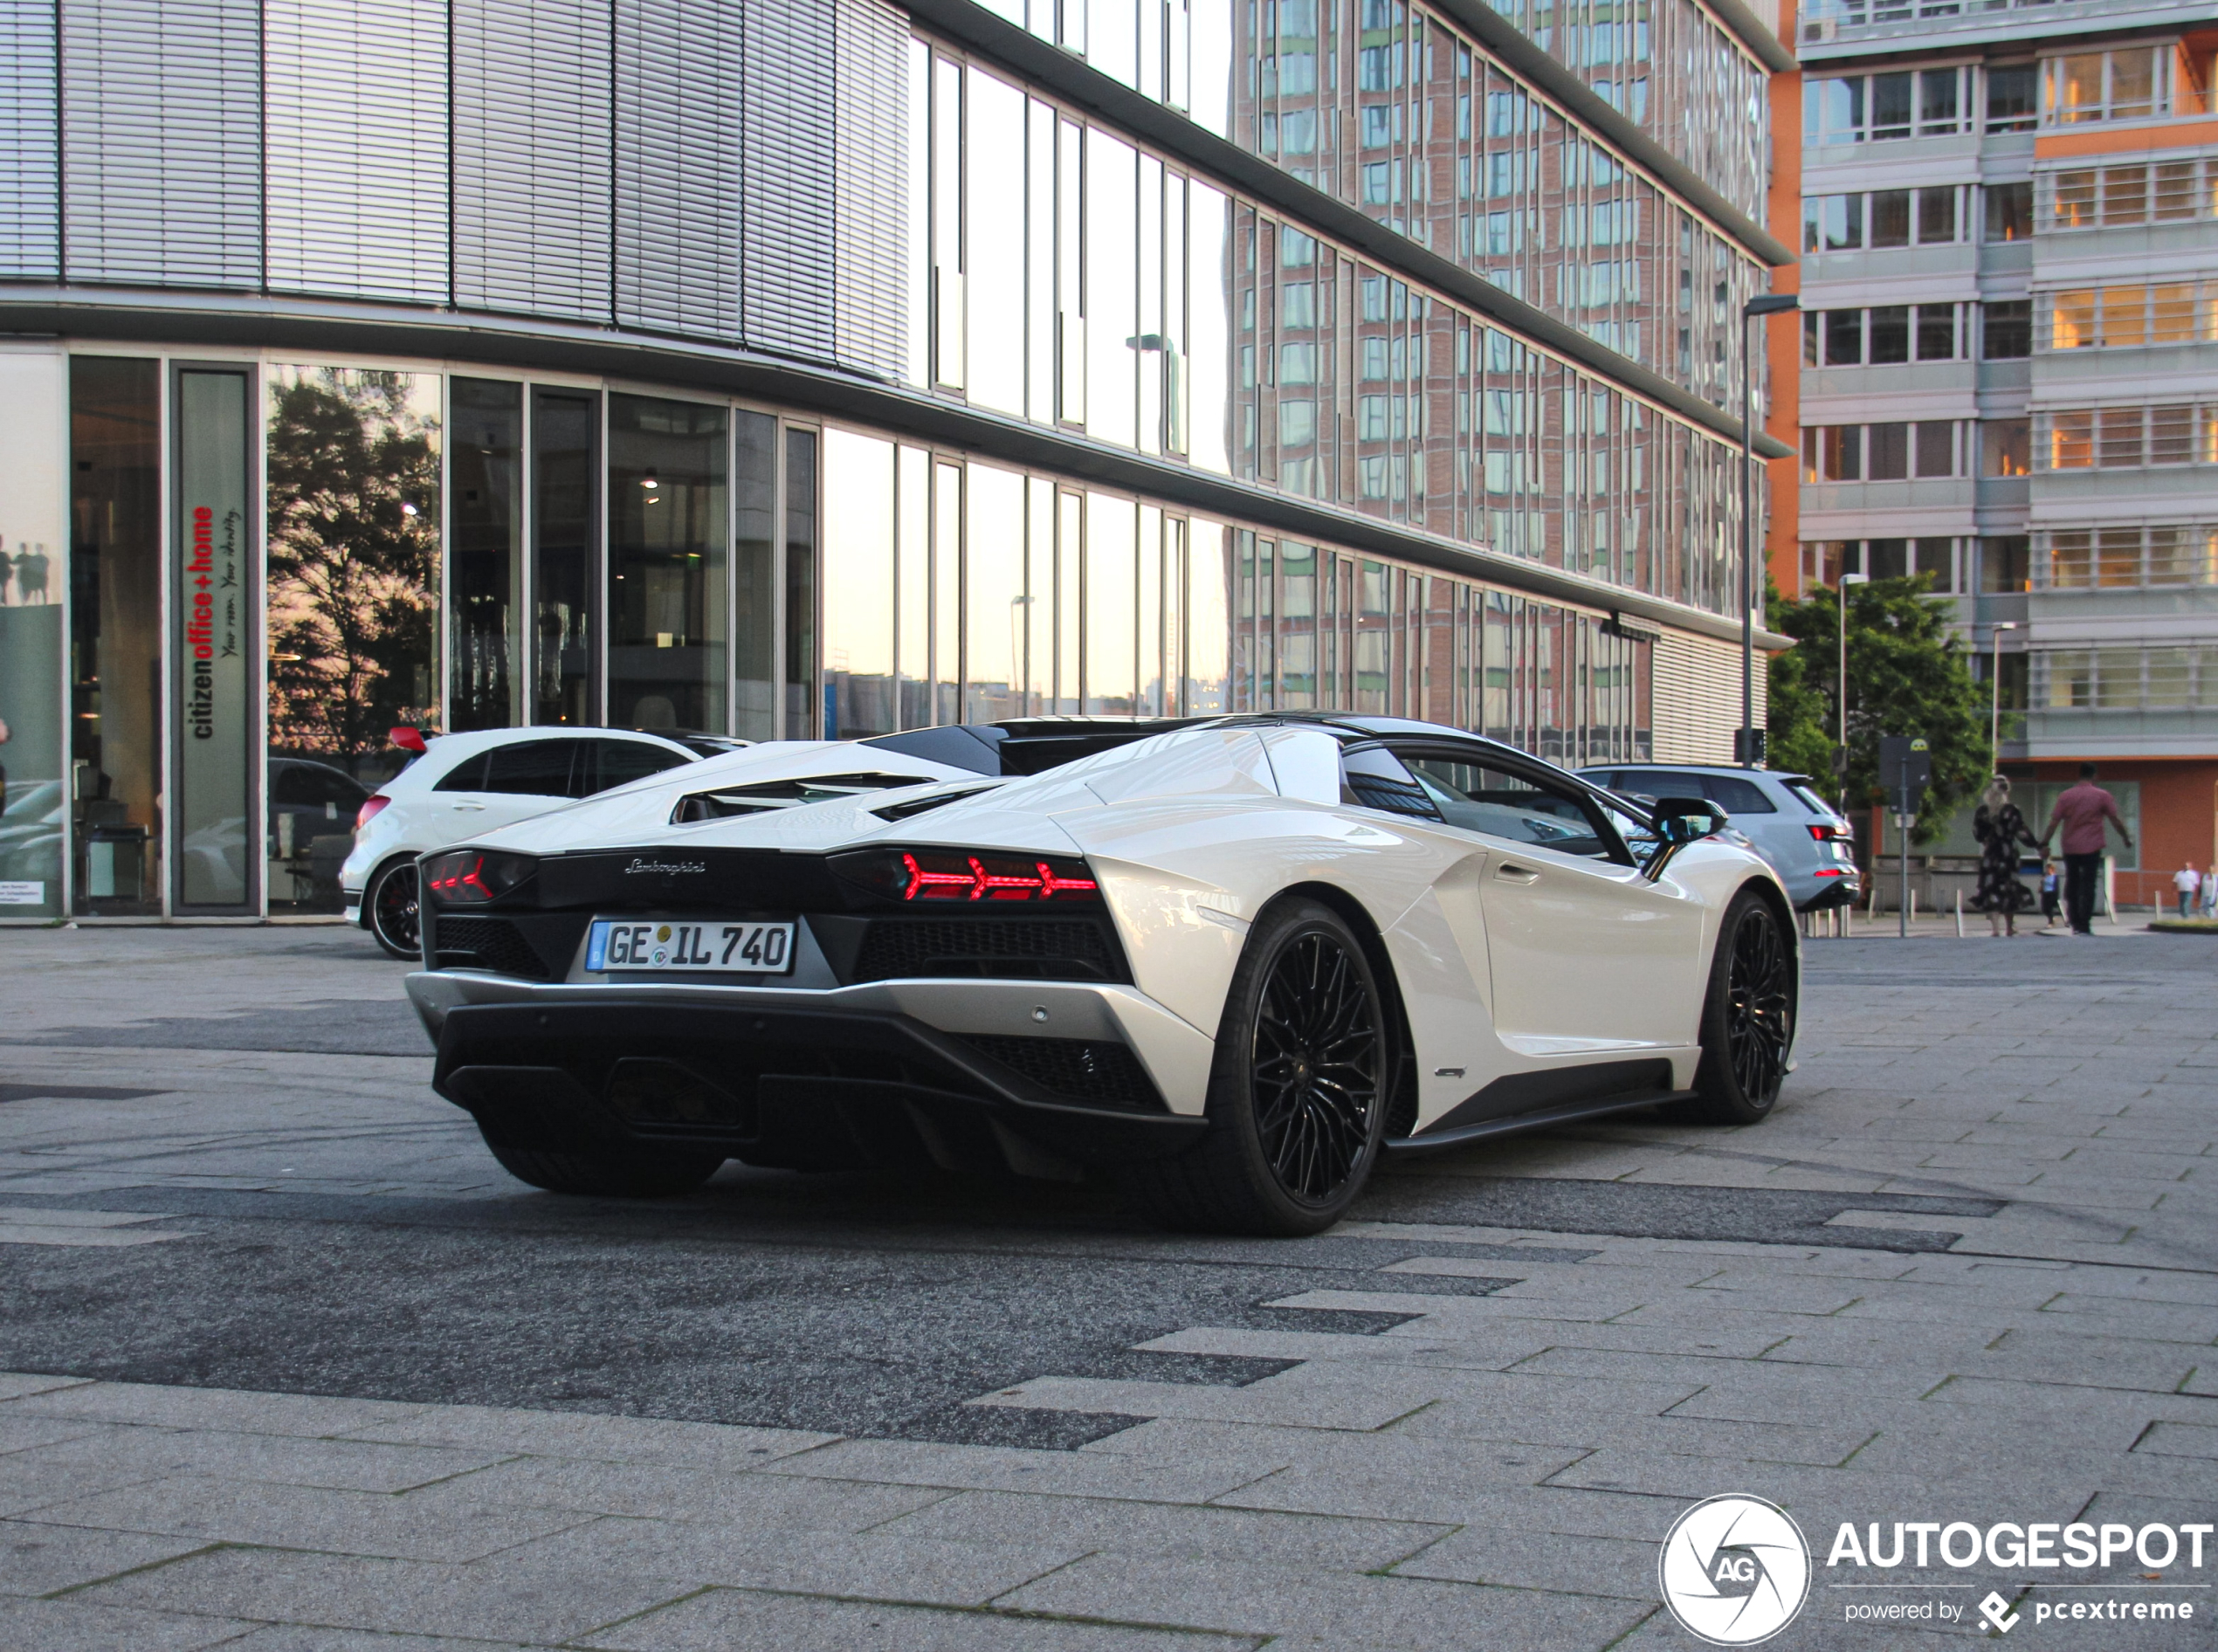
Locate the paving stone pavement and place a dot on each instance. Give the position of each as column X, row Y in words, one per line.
column 297, row 1370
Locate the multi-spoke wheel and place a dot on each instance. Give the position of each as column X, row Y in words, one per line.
column 389, row 905
column 1314, row 1070
column 1298, row 1097
column 1749, row 1019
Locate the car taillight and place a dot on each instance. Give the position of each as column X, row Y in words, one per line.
column 919, row 875
column 1829, row 831
column 466, row 877
column 369, row 810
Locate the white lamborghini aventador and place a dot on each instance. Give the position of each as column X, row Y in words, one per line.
column 1229, row 961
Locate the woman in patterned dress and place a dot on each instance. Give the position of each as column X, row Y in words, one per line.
column 2001, row 828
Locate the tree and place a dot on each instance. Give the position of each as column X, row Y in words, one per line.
column 354, row 498
column 1908, row 674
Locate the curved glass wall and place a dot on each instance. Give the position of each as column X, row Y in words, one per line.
column 1667, row 67
column 1158, row 313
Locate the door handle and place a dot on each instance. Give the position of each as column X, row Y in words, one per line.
column 1511, row 873
column 474, row 808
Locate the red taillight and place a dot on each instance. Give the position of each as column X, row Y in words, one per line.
column 408, row 738
column 1829, row 832
column 369, row 810
column 953, row 875
column 467, row 877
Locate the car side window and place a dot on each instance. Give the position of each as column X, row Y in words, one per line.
column 533, row 767
column 468, row 775
column 1649, row 782
column 1373, row 778
column 1525, row 808
column 618, row 762
column 1738, row 797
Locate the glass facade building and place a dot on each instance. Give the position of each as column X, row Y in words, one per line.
column 811, row 369
column 2010, row 369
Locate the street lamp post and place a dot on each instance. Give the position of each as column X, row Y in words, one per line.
column 1748, row 742
column 1841, row 682
column 1995, row 688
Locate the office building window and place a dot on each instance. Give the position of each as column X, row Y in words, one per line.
column 2005, row 329
column 2129, row 558
column 1889, row 335
column 2005, row 447
column 2013, row 96
column 2008, row 210
column 1915, row 450
column 2116, row 438
column 1880, row 219
column 2132, row 315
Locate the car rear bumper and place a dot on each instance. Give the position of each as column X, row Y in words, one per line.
column 1822, row 894
column 1040, row 1077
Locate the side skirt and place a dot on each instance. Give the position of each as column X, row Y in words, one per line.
column 1568, row 1112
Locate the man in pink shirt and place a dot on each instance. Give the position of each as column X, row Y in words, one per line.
column 2082, row 812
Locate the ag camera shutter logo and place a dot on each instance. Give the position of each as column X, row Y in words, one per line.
column 1735, row 1570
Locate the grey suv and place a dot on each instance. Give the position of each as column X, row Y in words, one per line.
column 1807, row 842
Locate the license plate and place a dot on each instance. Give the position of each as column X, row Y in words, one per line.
column 697, row 947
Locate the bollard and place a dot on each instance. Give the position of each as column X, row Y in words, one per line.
column 1959, row 914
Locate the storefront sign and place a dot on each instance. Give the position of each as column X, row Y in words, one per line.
column 212, row 608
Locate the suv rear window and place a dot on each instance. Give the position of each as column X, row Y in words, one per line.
column 1738, row 797
column 1800, row 790
column 1728, row 792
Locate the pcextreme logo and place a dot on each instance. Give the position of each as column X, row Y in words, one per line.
column 1735, row 1570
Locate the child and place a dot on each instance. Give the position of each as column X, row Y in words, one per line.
column 2050, row 897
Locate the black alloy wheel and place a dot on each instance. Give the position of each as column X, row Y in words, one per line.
column 392, row 905
column 1759, row 1006
column 1747, row 1018
column 1298, row 1097
column 1314, row 1072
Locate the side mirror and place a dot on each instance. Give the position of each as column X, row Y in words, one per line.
column 1681, row 821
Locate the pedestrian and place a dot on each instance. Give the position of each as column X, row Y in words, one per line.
column 2210, row 892
column 2187, row 883
column 2052, row 892
column 2000, row 828
column 2081, row 814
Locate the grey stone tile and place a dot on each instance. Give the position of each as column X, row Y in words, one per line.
column 1180, row 1531
column 37, row 1558
column 280, row 1459
column 654, row 1492
column 22, row 1433
column 1411, row 1614
column 2180, row 1439
column 288, row 1637
column 425, row 1527
column 583, row 1435
column 1540, row 1560
column 1312, row 1396
column 74, row 1624
column 928, row 1571
column 1094, row 1473
column 227, row 1408
column 509, row 1600
column 738, row 1620
column 14, row 1385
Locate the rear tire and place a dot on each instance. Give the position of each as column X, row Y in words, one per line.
column 612, row 1171
column 1747, row 1017
column 391, row 910
column 1297, row 1093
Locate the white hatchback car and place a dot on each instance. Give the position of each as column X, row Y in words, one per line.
column 465, row 785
